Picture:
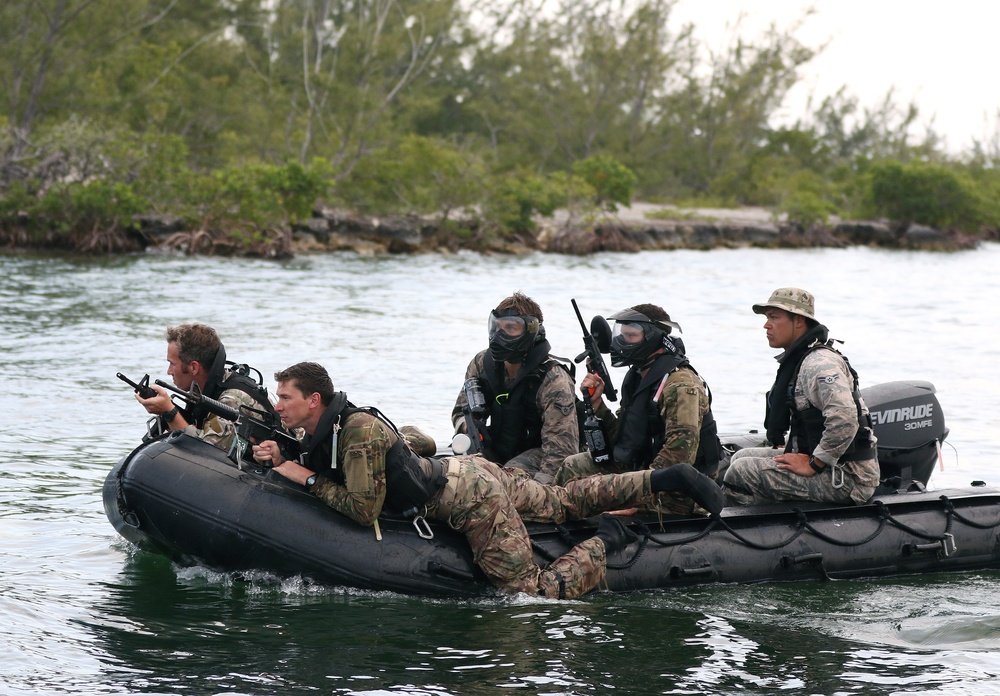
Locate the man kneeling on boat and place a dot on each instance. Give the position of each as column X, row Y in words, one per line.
column 355, row 460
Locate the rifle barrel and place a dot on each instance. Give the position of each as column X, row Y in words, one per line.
column 216, row 407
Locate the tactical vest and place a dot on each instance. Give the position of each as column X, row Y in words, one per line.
column 515, row 422
column 407, row 486
column 643, row 432
column 217, row 382
column 806, row 429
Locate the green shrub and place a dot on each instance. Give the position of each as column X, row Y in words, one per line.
column 512, row 200
column 416, row 175
column 613, row 183
column 14, row 202
column 987, row 186
column 246, row 200
column 804, row 200
column 924, row 193
column 76, row 207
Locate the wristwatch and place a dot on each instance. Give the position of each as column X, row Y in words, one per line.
column 170, row 415
column 311, row 481
column 815, row 467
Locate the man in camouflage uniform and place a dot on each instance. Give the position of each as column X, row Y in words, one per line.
column 196, row 356
column 354, row 460
column 529, row 394
column 830, row 455
column 666, row 414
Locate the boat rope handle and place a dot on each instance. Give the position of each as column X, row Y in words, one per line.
column 949, row 507
column 635, row 557
column 946, row 539
column 760, row 546
column 883, row 518
column 647, row 534
column 916, row 532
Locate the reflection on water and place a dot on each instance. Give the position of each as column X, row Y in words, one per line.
column 87, row 614
column 157, row 628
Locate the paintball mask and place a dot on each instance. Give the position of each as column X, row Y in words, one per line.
column 512, row 335
column 635, row 337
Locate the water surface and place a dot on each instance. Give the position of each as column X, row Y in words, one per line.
column 84, row 612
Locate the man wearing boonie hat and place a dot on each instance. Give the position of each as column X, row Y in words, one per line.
column 815, row 412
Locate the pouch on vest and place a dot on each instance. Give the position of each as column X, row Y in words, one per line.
column 407, row 487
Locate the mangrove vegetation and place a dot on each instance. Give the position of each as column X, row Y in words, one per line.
column 222, row 126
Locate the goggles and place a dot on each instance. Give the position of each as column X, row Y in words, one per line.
column 512, row 326
column 632, row 332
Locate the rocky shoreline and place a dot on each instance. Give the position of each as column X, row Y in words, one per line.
column 629, row 231
column 640, row 227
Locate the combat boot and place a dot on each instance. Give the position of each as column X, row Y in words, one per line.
column 685, row 479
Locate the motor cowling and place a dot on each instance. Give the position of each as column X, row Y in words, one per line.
column 909, row 424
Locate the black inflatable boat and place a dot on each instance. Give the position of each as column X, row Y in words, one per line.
column 183, row 498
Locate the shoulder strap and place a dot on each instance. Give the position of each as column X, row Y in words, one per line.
column 566, row 364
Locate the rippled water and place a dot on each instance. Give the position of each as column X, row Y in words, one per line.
column 85, row 613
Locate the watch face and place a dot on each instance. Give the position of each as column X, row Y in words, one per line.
column 311, row 480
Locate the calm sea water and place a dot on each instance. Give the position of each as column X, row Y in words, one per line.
column 85, row 613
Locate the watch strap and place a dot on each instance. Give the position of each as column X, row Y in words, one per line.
column 815, row 467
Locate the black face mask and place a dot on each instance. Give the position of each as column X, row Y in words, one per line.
column 624, row 353
column 513, row 350
column 510, row 346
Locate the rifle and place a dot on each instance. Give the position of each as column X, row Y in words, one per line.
column 141, row 387
column 253, row 425
column 475, row 413
column 596, row 341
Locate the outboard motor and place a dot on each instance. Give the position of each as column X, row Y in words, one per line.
column 909, row 425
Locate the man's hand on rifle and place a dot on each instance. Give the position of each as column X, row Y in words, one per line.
column 592, row 388
column 268, row 453
column 158, row 404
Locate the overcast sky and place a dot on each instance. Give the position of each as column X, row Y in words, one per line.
column 942, row 54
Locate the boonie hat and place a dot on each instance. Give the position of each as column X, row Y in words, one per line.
column 794, row 300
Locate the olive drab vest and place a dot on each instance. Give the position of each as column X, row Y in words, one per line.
column 643, row 431
column 515, row 423
column 407, row 485
column 217, row 382
column 807, row 426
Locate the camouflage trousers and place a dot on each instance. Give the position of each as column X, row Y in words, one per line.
column 753, row 478
column 489, row 505
column 583, row 465
column 532, row 461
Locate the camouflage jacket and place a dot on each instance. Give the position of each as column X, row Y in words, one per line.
column 220, row 431
column 556, row 403
column 358, row 490
column 683, row 403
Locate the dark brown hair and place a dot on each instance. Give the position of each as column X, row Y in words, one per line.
column 308, row 378
column 522, row 304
